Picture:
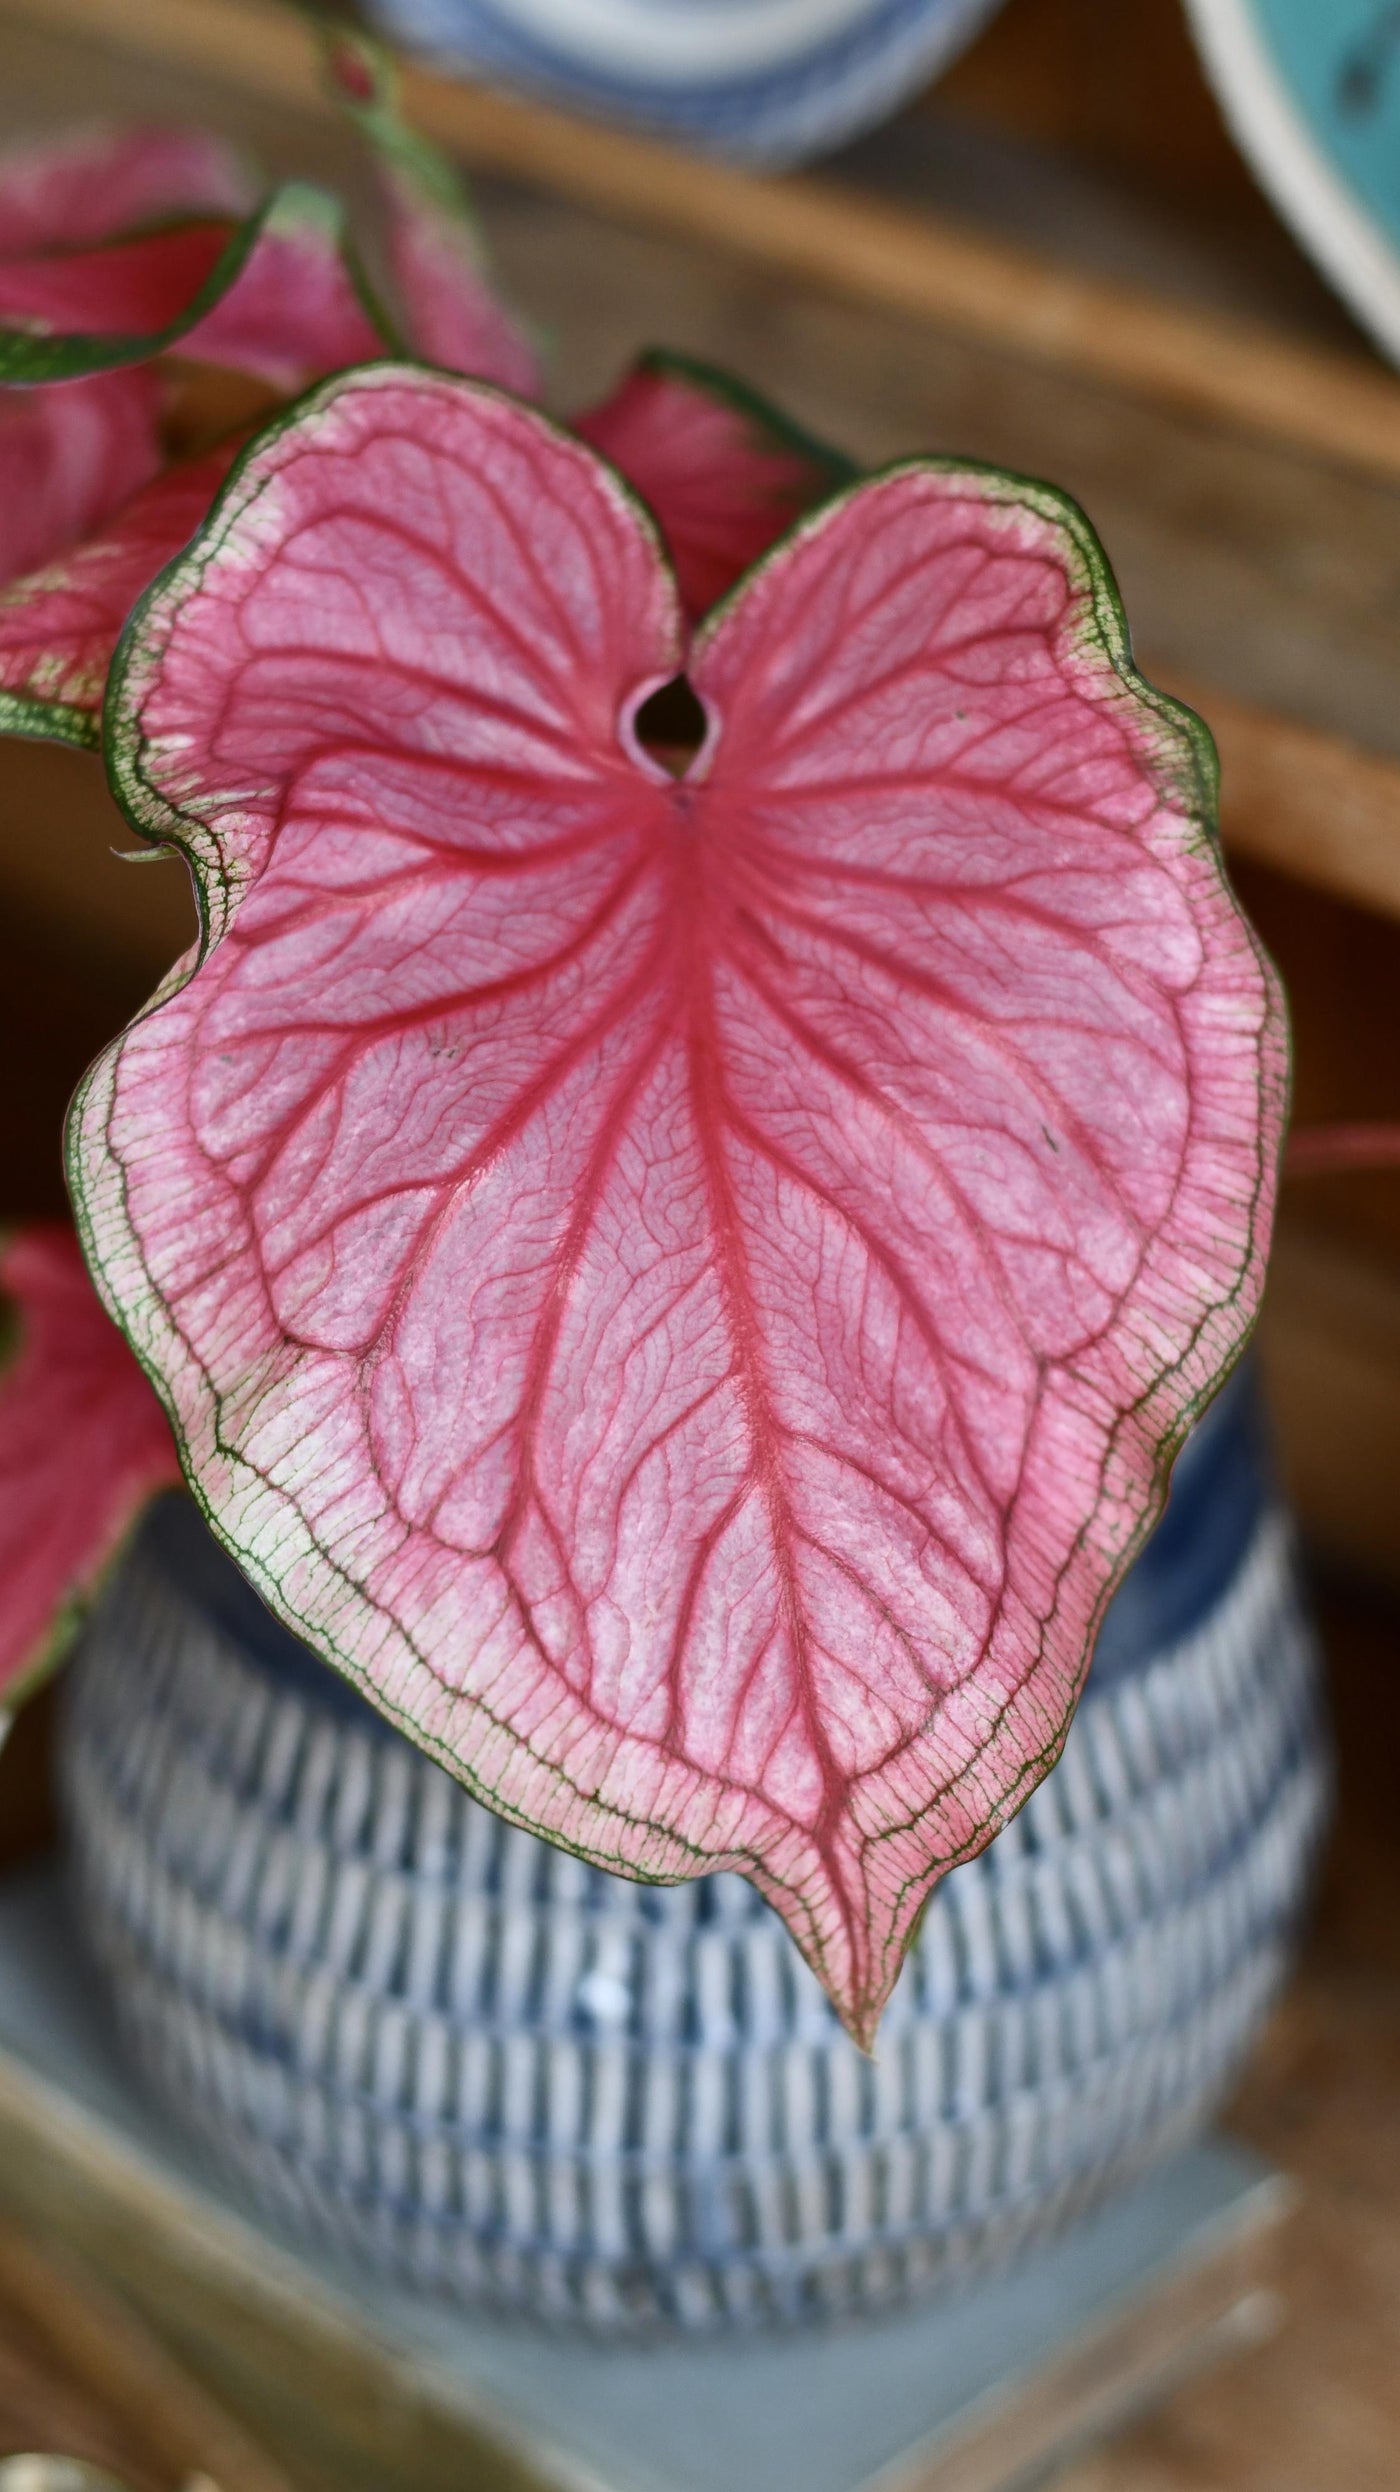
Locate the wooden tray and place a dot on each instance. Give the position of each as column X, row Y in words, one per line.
column 358, row 2385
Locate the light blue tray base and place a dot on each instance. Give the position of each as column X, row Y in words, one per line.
column 979, row 2392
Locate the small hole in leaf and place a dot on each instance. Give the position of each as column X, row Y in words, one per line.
column 671, row 726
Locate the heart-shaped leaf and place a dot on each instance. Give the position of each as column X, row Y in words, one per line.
column 69, row 458
column 724, row 473
column 88, row 184
column 685, row 1290
column 277, row 297
column 450, row 311
column 84, row 1445
column 60, row 624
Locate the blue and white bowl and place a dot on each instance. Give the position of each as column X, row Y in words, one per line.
column 463, row 2058
column 771, row 80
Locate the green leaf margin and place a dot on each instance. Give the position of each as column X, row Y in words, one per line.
column 1189, row 764
column 1186, row 754
column 30, row 357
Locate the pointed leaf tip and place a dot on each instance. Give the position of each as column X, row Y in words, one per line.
column 84, row 1446
column 684, row 1290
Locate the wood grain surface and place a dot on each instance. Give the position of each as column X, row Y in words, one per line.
column 81, row 2375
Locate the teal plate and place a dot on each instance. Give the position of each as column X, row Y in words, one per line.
column 1311, row 89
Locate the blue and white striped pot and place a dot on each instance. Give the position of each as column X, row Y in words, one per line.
column 770, row 80
column 463, row 2058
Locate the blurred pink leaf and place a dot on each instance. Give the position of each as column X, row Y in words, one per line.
column 68, row 458
column 83, row 186
column 276, row 296
column 84, row 1446
column 723, row 472
column 60, row 624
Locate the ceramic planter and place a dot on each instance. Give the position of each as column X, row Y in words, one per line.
column 465, row 2058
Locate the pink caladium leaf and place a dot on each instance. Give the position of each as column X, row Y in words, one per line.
column 84, row 1446
column 724, row 473
column 685, row 1289
column 450, row 311
column 66, row 313
column 300, row 306
column 70, row 457
column 85, row 185
column 277, row 297
column 60, row 623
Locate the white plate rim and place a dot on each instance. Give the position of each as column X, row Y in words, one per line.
column 1300, row 178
